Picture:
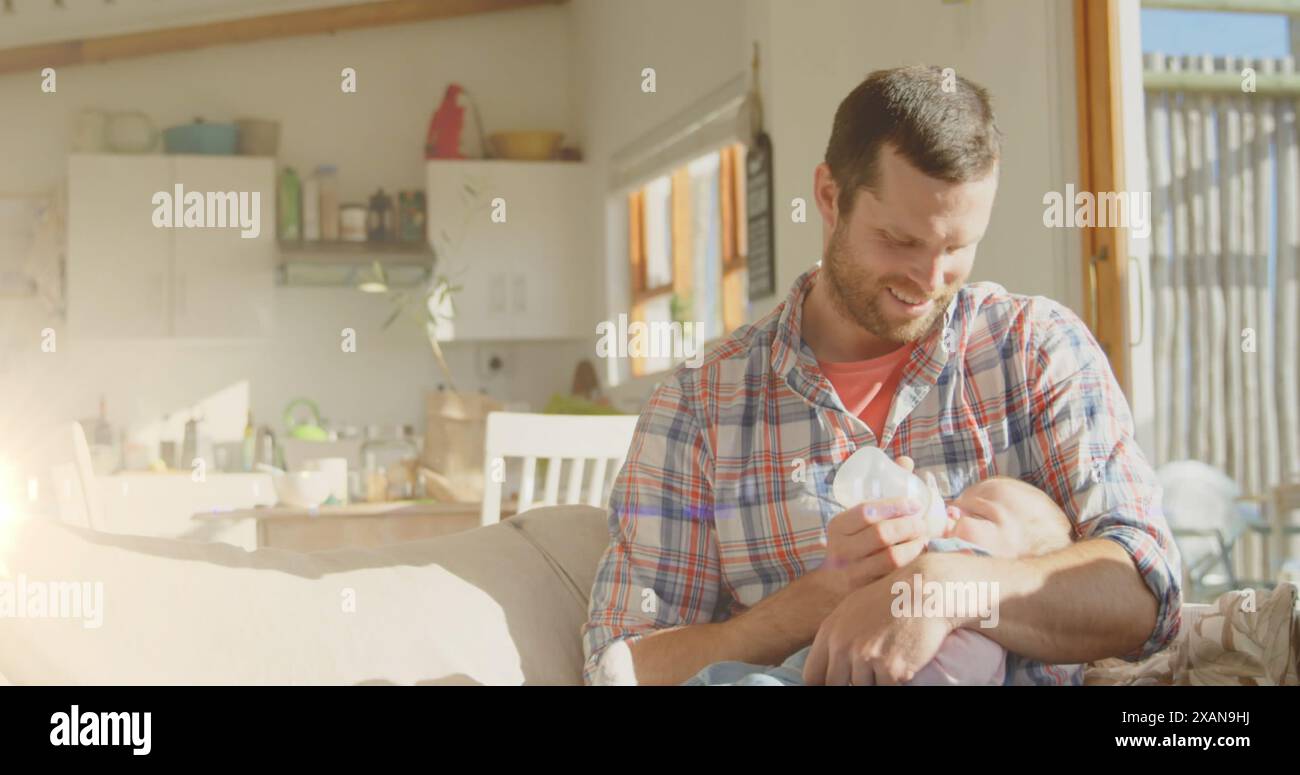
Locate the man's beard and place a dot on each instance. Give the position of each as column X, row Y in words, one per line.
column 857, row 295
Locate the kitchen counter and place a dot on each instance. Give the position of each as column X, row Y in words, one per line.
column 161, row 504
column 353, row 525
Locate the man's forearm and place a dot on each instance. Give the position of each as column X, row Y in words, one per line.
column 1075, row 605
column 779, row 625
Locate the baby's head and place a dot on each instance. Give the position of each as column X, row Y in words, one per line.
column 1005, row 502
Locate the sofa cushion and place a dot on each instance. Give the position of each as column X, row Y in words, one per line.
column 496, row 605
column 574, row 537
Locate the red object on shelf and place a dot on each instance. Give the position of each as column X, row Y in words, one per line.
column 448, row 137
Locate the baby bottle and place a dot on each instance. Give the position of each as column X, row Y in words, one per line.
column 869, row 474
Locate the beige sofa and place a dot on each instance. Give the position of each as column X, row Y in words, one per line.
column 498, row 605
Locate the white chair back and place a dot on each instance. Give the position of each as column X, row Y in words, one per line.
column 1198, row 496
column 559, row 439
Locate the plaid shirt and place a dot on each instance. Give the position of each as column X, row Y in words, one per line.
column 726, row 492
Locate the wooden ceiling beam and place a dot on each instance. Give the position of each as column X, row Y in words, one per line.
column 319, row 21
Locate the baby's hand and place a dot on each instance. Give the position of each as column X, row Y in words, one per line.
column 953, row 515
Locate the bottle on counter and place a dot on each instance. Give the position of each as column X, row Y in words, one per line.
column 197, row 445
column 103, row 433
column 167, row 448
column 190, row 443
column 352, row 222
column 381, row 222
column 290, row 205
column 268, row 452
column 248, row 451
column 311, row 208
column 411, row 216
column 103, row 443
column 327, row 178
column 388, row 464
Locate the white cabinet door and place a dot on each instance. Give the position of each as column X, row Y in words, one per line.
column 119, row 263
column 523, row 277
column 470, row 249
column 550, row 272
column 224, row 280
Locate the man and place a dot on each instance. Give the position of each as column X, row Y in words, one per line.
column 726, row 542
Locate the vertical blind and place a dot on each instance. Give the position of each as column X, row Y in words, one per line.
column 1226, row 225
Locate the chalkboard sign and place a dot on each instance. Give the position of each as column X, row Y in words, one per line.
column 759, row 228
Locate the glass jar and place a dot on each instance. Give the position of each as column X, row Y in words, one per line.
column 389, row 463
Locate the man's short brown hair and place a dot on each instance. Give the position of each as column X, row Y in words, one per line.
column 940, row 122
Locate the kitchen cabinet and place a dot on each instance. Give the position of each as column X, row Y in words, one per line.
column 119, row 264
column 528, row 275
column 128, row 278
column 224, row 281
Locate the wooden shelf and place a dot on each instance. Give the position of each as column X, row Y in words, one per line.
column 387, row 253
column 318, row 21
column 343, row 264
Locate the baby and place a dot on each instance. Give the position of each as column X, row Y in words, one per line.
column 979, row 520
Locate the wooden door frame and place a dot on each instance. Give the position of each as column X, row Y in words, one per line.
column 1101, row 168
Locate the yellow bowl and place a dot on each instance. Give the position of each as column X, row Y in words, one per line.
column 525, row 145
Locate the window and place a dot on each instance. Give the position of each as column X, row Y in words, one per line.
column 686, row 250
column 1224, row 270
column 1217, row 32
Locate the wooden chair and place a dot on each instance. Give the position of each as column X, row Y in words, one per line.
column 556, row 439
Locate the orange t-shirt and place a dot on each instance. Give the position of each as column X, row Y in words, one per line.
column 867, row 387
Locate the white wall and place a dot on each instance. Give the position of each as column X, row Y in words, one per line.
column 517, row 64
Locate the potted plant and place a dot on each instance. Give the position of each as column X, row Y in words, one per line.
column 435, row 302
column 456, row 422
